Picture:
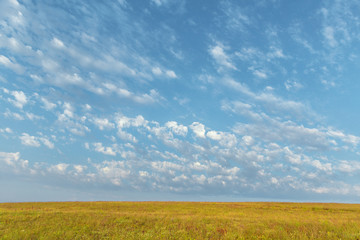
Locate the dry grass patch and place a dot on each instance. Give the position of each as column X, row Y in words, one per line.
column 178, row 220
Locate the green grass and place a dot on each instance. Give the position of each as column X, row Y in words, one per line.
column 178, row 220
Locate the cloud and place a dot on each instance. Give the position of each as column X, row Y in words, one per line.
column 104, row 150
column 159, row 2
column 272, row 102
column 20, row 99
column 59, row 168
column 329, row 36
column 171, row 74
column 57, row 43
column 71, row 121
column 6, row 130
column 146, row 98
column 47, row 104
column 103, row 123
column 113, row 171
column 34, row 141
column 156, row 71
column 11, row 64
column 293, row 85
column 28, row 140
column 198, row 129
column 235, row 17
column 260, row 74
column 47, row 142
column 225, row 139
column 217, row 52
column 177, row 129
column 168, row 73
column 13, row 160
column 124, row 122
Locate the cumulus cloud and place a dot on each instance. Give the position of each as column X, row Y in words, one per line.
column 13, row 160
column 176, row 128
column 103, row 123
column 225, row 139
column 198, row 129
column 20, row 99
column 5, row 130
column 105, row 150
column 59, row 168
column 157, row 71
column 34, row 141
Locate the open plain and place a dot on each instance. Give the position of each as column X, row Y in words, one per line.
column 179, row 220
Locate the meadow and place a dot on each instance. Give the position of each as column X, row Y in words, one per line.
column 179, row 220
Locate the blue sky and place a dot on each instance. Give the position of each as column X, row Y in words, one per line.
column 179, row 100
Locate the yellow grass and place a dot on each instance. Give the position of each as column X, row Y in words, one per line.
column 178, row 220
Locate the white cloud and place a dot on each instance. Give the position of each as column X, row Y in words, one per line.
column 348, row 166
column 114, row 171
column 34, row 141
column 68, row 110
column 248, row 140
column 260, row 74
column 11, row 64
column 5, row 130
column 57, row 43
column 103, row 123
column 80, row 168
column 105, row 150
column 272, row 102
column 236, row 19
column 157, row 71
column 217, row 52
column 289, row 85
column 225, row 139
column 125, row 122
column 159, row 2
column 28, row 140
column 276, row 53
column 13, row 115
column 168, row 73
column 198, row 129
column 327, row 167
column 4, row 60
column 59, row 168
column 13, row 160
column 20, row 99
column 213, row 135
column 329, row 36
column 176, row 128
column 146, row 98
column 171, row 74
column 47, row 104
column 47, row 142
column 126, row 136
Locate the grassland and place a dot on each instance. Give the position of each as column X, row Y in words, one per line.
column 178, row 220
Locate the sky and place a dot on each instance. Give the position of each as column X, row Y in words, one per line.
column 179, row 100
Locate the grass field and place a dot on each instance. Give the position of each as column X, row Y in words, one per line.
column 178, row 220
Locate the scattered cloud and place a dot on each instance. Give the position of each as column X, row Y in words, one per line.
column 221, row 58
column 198, row 129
